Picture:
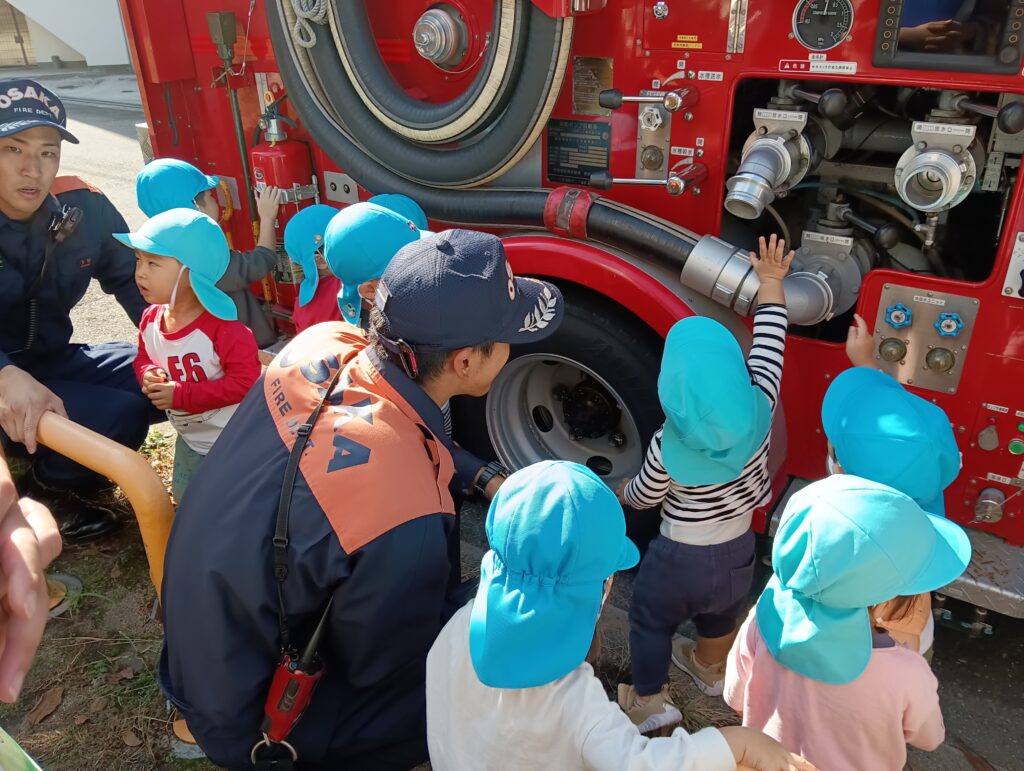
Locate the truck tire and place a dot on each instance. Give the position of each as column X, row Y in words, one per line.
column 597, row 376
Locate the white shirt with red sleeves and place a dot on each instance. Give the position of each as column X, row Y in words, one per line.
column 213, row 364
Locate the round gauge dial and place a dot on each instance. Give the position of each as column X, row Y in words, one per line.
column 822, row 24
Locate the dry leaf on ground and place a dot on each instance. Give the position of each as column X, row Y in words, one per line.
column 46, row 706
column 131, row 739
column 98, row 704
column 121, row 675
column 81, row 719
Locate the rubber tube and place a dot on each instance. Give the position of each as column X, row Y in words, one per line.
column 471, row 164
column 377, row 84
column 132, row 473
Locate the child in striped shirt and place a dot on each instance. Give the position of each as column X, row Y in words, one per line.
column 707, row 468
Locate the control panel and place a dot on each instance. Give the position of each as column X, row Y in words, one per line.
column 999, row 434
column 962, row 37
column 1013, row 284
column 923, row 337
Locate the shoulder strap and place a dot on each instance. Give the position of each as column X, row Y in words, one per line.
column 285, row 504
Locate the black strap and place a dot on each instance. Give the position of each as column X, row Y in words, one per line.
column 284, row 506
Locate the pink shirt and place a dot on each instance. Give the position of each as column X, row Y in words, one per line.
column 322, row 307
column 865, row 724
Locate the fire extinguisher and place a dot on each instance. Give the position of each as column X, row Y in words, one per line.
column 285, row 163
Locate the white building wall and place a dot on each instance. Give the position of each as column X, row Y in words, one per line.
column 92, row 28
column 47, row 45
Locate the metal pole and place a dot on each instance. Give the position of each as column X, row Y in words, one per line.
column 18, row 38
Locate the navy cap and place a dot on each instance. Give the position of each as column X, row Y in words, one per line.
column 25, row 104
column 456, row 289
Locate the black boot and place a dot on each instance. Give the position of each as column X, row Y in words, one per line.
column 81, row 518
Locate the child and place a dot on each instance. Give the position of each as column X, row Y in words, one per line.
column 360, row 242
column 195, row 360
column 878, row 430
column 808, row 667
column 507, row 684
column 168, row 183
column 304, row 242
column 707, row 469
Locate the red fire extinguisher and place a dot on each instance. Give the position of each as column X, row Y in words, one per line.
column 286, row 163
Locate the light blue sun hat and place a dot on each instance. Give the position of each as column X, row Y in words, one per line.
column 556, row 533
column 881, row 431
column 303, row 238
column 360, row 241
column 715, row 417
column 404, row 205
column 198, row 243
column 845, row 544
column 168, row 183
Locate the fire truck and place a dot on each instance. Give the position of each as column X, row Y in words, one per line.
column 631, row 151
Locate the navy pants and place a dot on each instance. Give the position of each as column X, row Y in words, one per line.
column 99, row 391
column 677, row 583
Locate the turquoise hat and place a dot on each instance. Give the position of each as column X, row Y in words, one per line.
column 303, row 238
column 881, row 431
column 715, row 417
column 359, row 243
column 198, row 243
column 845, row 544
column 556, row 533
column 404, row 205
column 168, row 183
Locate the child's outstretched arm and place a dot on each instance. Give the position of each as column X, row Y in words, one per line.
column 755, row 750
column 648, row 488
column 771, row 266
column 268, row 201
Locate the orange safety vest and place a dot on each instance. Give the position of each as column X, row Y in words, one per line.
column 371, row 462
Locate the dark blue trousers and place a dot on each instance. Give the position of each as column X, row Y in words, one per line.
column 99, row 391
column 677, row 583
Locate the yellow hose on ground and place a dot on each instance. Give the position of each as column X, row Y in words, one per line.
column 132, row 473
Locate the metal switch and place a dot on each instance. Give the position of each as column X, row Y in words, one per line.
column 988, row 439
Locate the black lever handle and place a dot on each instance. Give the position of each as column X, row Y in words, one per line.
column 1009, row 117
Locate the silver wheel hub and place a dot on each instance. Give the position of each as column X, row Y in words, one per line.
column 440, row 36
column 545, row 407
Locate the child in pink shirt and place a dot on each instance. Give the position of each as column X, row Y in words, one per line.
column 808, row 667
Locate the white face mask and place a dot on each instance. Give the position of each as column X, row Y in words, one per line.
column 830, row 464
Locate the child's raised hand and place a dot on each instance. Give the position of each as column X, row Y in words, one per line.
column 860, row 345
column 268, row 201
column 773, row 262
column 620, row 491
column 162, row 395
column 756, row 752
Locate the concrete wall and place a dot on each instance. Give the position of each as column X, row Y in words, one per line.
column 47, row 45
column 92, row 28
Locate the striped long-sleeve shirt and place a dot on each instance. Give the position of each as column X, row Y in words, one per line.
column 709, row 514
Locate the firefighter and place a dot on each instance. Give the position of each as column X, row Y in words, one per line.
column 361, row 542
column 55, row 236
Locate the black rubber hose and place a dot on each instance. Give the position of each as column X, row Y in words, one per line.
column 509, row 208
column 378, row 84
column 462, row 165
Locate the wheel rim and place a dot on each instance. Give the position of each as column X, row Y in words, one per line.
column 539, row 406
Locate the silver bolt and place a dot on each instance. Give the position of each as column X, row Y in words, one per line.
column 921, row 146
column 700, row 152
column 687, row 115
column 958, row 149
column 696, row 191
column 660, row 10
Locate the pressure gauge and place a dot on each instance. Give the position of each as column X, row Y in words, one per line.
column 822, row 24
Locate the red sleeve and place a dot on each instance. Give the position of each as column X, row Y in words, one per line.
column 239, row 358
column 143, row 363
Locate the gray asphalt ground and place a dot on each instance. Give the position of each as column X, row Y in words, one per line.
column 982, row 681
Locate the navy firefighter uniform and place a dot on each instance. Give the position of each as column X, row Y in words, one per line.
column 373, row 532
column 95, row 382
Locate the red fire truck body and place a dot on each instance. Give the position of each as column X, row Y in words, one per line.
column 882, row 136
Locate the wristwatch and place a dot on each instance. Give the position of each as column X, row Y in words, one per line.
column 488, row 473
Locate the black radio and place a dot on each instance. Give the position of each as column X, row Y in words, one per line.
column 953, row 35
